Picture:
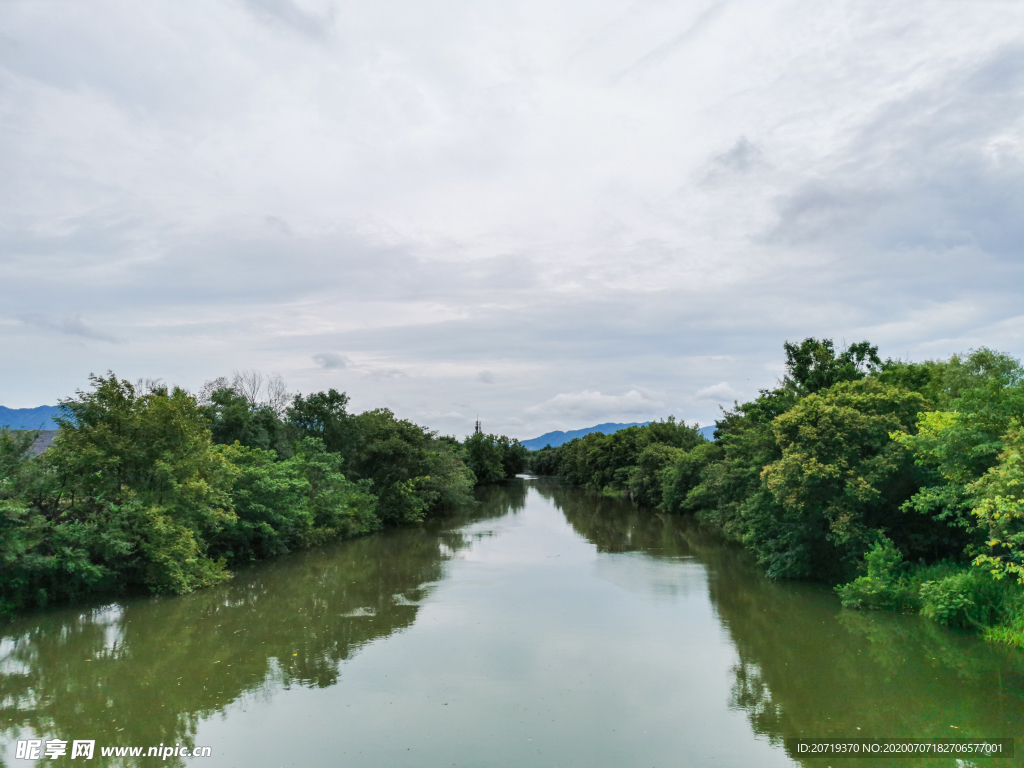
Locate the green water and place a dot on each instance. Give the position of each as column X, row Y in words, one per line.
column 547, row 627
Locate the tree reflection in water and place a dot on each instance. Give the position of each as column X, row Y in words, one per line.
column 146, row 671
column 807, row 668
column 88, row 674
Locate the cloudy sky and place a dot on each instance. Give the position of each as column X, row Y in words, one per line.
column 548, row 212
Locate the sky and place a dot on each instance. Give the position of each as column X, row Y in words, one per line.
column 545, row 213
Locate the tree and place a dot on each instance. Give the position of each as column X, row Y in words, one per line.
column 262, row 390
column 513, row 455
column 685, row 473
column 134, row 493
column 646, row 478
column 999, row 509
column 483, row 455
column 118, row 444
column 323, row 415
column 600, row 461
column 730, row 489
column 412, row 473
column 813, row 365
column 982, row 398
column 839, row 480
column 270, row 501
column 234, row 418
column 128, row 494
column 545, row 461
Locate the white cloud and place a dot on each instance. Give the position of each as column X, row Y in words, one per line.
column 591, row 404
column 331, row 360
column 541, row 189
column 387, row 373
column 720, row 393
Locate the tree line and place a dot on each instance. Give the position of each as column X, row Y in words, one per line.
column 154, row 488
column 901, row 483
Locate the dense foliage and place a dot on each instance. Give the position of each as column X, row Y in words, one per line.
column 154, row 488
column 901, row 482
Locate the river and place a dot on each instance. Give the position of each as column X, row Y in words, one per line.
column 546, row 627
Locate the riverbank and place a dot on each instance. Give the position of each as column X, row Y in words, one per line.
column 155, row 490
column 900, row 483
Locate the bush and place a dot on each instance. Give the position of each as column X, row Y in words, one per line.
column 970, row 599
column 952, row 595
column 885, row 586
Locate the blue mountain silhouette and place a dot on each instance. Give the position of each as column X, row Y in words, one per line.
column 28, row 418
column 557, row 438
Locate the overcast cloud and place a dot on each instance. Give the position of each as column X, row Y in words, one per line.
column 550, row 213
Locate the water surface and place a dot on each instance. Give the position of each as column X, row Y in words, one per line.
column 547, row 627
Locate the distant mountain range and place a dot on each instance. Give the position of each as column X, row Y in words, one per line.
column 42, row 418
column 554, row 439
column 29, row 418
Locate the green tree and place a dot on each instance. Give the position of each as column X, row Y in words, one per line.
column 324, row 415
column 646, row 478
column 117, row 444
column 730, row 490
column 982, row 397
column 600, row 461
column 685, row 474
column 338, row 506
column 813, row 365
column 270, row 501
column 483, row 455
column 21, row 529
column 127, row 495
column 233, row 418
column 999, row 509
column 839, row 480
column 544, row 462
column 411, row 472
column 513, row 455
column 134, row 493
column 449, row 482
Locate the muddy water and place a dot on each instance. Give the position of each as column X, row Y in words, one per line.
column 547, row 627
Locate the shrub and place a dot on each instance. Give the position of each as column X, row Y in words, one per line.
column 885, row 586
column 1011, row 632
column 969, row 599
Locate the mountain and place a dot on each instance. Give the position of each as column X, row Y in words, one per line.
column 555, row 439
column 41, row 418
column 28, row 418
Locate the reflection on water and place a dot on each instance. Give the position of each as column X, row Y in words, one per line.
column 810, row 669
column 290, row 622
column 608, row 632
